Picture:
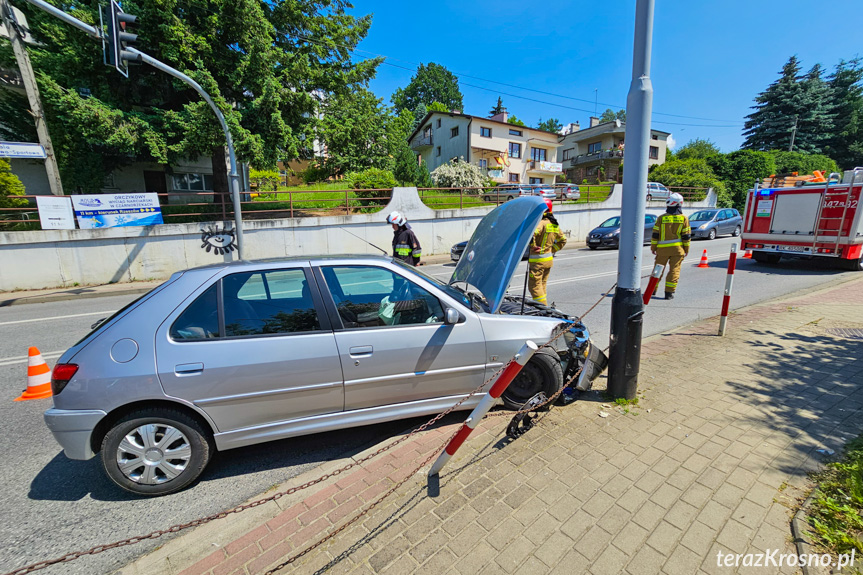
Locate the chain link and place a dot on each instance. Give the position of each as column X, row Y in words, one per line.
column 222, row 514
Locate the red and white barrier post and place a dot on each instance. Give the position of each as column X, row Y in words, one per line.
column 729, row 280
column 651, row 283
column 486, row 403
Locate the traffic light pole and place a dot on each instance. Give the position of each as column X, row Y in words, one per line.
column 32, row 90
column 627, row 309
column 97, row 34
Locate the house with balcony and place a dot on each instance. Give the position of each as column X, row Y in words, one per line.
column 504, row 152
column 596, row 153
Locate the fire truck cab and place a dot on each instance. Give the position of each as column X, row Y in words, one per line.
column 807, row 220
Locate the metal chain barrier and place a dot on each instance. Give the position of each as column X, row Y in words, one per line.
column 203, row 520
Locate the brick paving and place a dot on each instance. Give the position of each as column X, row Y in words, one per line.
column 713, row 458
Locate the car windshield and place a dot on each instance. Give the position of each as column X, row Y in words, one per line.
column 451, row 291
column 610, row 222
column 702, row 216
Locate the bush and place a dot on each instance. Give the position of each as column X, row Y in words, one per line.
column 459, row 174
column 10, row 186
column 740, row 170
column 693, row 173
column 370, row 179
column 787, row 162
column 262, row 178
column 314, row 173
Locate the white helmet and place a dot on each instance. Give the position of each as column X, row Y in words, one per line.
column 674, row 200
column 397, row 218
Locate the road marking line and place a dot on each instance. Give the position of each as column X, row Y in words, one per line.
column 25, row 359
column 103, row 313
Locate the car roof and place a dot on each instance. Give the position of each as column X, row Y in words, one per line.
column 313, row 259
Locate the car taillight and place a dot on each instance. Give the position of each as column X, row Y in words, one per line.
column 61, row 375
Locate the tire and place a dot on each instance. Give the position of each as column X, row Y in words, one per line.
column 853, row 265
column 736, row 232
column 766, row 257
column 508, row 198
column 542, row 373
column 486, row 198
column 192, row 446
column 711, row 235
column 649, row 197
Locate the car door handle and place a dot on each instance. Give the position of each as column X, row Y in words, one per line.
column 188, row 369
column 361, row 351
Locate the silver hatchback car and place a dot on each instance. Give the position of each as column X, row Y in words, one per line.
column 240, row 353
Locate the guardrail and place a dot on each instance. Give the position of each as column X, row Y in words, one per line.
column 478, row 197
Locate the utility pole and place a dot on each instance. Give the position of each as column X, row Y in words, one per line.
column 29, row 81
column 793, row 133
column 627, row 309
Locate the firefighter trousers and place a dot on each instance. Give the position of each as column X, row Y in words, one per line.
column 537, row 280
column 675, row 262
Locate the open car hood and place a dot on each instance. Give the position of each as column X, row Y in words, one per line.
column 496, row 247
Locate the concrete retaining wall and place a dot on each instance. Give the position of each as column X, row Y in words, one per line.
column 63, row 258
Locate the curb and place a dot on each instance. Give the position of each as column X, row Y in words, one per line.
column 71, row 296
column 800, row 531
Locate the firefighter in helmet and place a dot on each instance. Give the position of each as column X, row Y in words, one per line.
column 670, row 241
column 406, row 246
column 546, row 240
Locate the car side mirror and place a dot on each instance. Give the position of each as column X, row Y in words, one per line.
column 451, row 316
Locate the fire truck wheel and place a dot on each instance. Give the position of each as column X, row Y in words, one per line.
column 766, row 258
column 853, row 265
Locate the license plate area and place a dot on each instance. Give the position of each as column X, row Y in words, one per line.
column 791, row 248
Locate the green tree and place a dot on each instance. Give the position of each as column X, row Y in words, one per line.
column 551, row 125
column 696, row 148
column 515, row 121
column 498, row 108
column 356, row 132
column 792, row 100
column 740, row 170
column 610, row 115
column 432, row 83
column 10, row 186
column 846, row 142
column 265, row 64
column 787, row 162
column 690, row 173
column 263, row 178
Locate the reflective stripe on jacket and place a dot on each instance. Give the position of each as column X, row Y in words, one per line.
column 671, row 231
column 406, row 246
column 548, row 238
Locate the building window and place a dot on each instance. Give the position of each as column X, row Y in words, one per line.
column 193, row 182
column 514, row 150
column 654, row 152
column 514, row 132
column 438, row 151
column 513, row 178
column 483, row 164
column 654, row 137
column 453, row 132
column 594, row 148
column 438, row 122
column 485, row 132
column 536, row 180
column 567, row 154
column 538, row 154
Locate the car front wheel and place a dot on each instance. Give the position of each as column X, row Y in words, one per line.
column 541, row 373
column 155, row 451
column 711, row 235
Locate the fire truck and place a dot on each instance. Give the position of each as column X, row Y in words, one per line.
column 807, row 220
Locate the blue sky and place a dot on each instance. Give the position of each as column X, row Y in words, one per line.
column 710, row 58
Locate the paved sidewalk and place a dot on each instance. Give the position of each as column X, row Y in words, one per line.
column 713, row 458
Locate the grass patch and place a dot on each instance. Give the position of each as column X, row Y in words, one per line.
column 836, row 513
column 624, row 402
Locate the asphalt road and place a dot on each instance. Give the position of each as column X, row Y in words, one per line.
column 53, row 505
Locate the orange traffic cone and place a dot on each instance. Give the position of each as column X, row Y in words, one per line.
column 38, row 377
column 703, row 263
column 747, row 255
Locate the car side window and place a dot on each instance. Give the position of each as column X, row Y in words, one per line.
column 371, row 296
column 649, row 219
column 200, row 320
column 268, row 303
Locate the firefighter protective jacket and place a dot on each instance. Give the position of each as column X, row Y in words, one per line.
column 406, row 246
column 548, row 238
column 671, row 234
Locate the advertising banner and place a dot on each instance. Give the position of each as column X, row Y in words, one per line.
column 55, row 212
column 115, row 210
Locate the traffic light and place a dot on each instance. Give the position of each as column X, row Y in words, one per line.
column 116, row 39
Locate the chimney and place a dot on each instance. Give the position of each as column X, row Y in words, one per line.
column 500, row 117
column 574, row 127
column 594, row 121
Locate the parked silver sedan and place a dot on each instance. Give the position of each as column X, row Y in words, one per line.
column 240, row 353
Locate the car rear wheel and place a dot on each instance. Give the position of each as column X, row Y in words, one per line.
column 542, row 373
column 486, row 198
column 711, row 235
column 155, row 451
column 508, row 198
column 736, row 232
column 649, row 197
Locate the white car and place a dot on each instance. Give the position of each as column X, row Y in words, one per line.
column 543, row 191
column 656, row 191
column 567, row 192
